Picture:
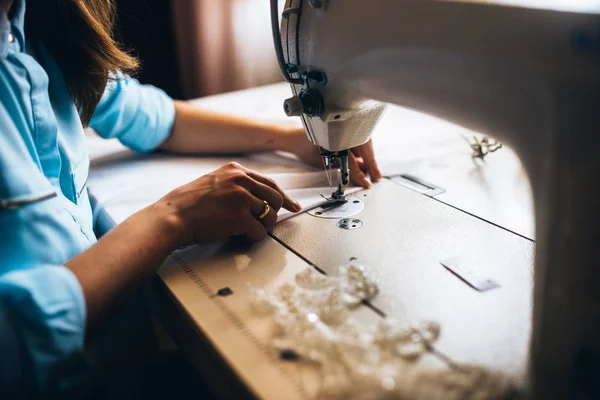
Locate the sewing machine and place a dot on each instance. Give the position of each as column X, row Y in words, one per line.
column 527, row 74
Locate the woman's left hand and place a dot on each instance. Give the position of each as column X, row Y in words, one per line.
column 361, row 159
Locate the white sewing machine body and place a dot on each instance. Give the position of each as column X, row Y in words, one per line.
column 528, row 76
column 489, row 67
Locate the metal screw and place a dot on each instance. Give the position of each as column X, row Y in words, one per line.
column 349, row 224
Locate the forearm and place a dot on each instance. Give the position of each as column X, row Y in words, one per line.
column 201, row 131
column 121, row 260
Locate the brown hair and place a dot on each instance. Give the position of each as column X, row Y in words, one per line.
column 80, row 35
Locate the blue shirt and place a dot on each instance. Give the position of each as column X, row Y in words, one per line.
column 45, row 213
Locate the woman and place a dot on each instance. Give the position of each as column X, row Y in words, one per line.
column 60, row 70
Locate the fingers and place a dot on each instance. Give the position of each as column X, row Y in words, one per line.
column 357, row 153
column 288, row 203
column 270, row 220
column 368, row 156
column 255, row 230
column 258, row 207
column 250, row 225
column 270, row 195
column 357, row 177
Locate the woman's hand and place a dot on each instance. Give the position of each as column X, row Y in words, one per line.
column 361, row 159
column 222, row 204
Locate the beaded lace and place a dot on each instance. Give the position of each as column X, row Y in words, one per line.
column 360, row 361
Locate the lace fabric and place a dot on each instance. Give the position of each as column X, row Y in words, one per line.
column 361, row 361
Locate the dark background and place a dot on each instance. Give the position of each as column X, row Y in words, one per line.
column 146, row 28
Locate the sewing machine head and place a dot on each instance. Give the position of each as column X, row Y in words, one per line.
column 528, row 75
column 334, row 117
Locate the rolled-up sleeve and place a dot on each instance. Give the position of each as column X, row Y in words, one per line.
column 140, row 116
column 42, row 319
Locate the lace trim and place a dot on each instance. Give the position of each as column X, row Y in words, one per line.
column 365, row 362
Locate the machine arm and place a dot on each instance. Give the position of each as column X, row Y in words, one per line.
column 527, row 76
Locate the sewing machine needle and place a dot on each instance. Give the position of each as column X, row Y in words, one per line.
column 327, row 167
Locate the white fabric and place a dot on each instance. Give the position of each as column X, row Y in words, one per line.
column 365, row 362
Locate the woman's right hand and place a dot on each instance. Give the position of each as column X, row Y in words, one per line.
column 223, row 204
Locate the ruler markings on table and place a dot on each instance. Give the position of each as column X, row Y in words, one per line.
column 237, row 321
column 241, row 326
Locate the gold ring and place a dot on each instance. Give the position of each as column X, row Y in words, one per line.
column 265, row 211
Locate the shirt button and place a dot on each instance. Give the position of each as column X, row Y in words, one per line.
column 11, row 38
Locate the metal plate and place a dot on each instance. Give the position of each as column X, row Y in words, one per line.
column 353, row 206
column 417, row 184
column 403, row 238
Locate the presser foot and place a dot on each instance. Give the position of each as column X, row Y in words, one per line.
column 338, row 160
column 337, row 197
